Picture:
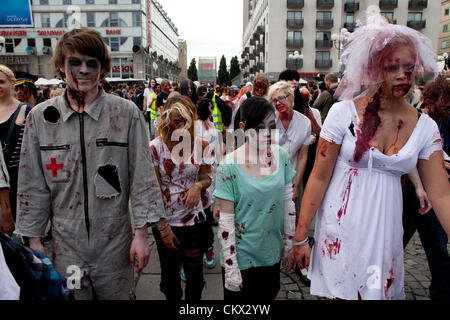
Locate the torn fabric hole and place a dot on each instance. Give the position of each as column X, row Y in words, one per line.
column 51, row 114
column 107, row 182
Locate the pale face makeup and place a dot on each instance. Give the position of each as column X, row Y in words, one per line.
column 293, row 83
column 263, row 133
column 282, row 101
column 82, row 72
column 399, row 72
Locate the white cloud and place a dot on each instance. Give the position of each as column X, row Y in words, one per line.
column 210, row 27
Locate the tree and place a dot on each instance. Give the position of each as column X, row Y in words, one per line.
column 192, row 71
column 234, row 67
column 223, row 76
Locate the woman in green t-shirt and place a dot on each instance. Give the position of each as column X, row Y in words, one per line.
column 257, row 214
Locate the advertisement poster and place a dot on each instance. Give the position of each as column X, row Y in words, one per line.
column 15, row 13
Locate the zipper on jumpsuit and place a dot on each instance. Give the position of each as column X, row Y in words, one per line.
column 83, row 161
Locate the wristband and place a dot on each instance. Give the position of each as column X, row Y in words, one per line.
column 300, row 243
column 197, row 188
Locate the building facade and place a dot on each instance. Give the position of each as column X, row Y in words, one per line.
column 207, row 70
column 142, row 40
column 182, row 58
column 444, row 30
column 275, row 29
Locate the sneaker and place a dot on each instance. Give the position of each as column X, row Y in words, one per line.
column 182, row 276
column 208, row 259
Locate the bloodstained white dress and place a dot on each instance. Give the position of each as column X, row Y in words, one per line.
column 358, row 232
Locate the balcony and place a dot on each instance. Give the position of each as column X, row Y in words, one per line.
column 324, row 63
column 260, row 47
column 295, row 4
column 325, row 4
column 260, row 66
column 294, row 43
column 417, row 4
column 252, row 70
column 350, row 26
column 388, row 4
column 252, row 42
column 290, row 64
column 351, row 6
column 260, row 30
column 324, row 23
column 252, row 56
column 295, row 23
column 420, row 24
column 321, row 44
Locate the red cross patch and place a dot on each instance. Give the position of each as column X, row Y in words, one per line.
column 54, row 167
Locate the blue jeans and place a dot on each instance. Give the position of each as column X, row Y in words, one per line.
column 434, row 241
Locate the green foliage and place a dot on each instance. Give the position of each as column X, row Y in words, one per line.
column 223, row 76
column 234, row 67
column 192, row 71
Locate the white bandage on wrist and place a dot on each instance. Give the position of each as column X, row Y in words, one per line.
column 233, row 278
column 289, row 214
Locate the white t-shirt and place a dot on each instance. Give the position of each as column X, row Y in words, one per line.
column 9, row 290
column 147, row 93
column 316, row 114
column 298, row 134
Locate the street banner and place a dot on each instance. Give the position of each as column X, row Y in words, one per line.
column 16, row 13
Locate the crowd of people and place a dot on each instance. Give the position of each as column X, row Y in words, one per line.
column 266, row 158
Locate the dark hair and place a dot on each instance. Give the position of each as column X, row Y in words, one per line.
column 184, row 88
column 203, row 111
column 201, row 91
column 106, row 86
column 322, row 86
column 252, row 112
column 287, row 75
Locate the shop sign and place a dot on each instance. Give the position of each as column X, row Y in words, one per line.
column 13, row 33
column 50, row 32
column 113, row 31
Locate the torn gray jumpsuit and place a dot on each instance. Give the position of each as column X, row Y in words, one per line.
column 84, row 168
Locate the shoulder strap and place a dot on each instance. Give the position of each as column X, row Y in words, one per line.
column 13, row 122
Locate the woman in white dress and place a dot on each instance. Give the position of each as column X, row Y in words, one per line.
column 365, row 145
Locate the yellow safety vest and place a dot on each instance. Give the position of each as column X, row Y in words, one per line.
column 153, row 113
column 217, row 115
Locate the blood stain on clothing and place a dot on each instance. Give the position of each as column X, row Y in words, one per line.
column 370, row 125
column 333, row 248
column 399, row 127
column 232, row 249
column 225, row 235
column 272, row 208
column 229, row 262
column 155, row 153
column 166, row 194
column 343, row 210
column 232, row 177
column 79, row 97
column 187, row 218
column 169, row 166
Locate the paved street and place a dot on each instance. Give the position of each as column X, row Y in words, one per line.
column 417, row 277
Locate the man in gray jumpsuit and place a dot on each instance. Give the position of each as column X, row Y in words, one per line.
column 85, row 154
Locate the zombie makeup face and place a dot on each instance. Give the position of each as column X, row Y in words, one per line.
column 23, row 93
column 264, row 131
column 260, row 88
column 293, row 83
column 82, row 72
column 399, row 72
column 176, row 121
column 282, row 101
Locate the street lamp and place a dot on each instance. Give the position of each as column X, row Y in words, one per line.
column 296, row 57
column 339, row 39
column 2, row 43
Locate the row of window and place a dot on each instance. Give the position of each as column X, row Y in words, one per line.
column 112, row 21
column 350, row 16
column 445, row 44
column 320, row 55
column 320, row 35
column 69, row 2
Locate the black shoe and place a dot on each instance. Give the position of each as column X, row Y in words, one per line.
column 303, row 279
column 214, row 222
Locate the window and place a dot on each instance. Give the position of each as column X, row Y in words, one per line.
column 67, row 1
column 445, row 44
column 136, row 19
column 114, row 43
column 9, row 45
column 446, row 27
column 323, row 15
column 389, row 15
column 113, row 19
column 415, row 16
column 447, row 11
column 90, row 1
column 31, row 42
column 106, row 41
column 294, row 15
column 350, row 18
column 136, row 1
column 112, row 1
column 41, row 2
column 323, row 55
column 294, row 35
column 45, row 20
column 66, row 17
column 137, row 41
column 323, row 35
column 90, row 17
column 47, row 42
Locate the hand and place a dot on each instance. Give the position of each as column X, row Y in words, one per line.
column 7, row 222
column 139, row 248
column 171, row 241
column 301, row 255
column 288, row 259
column 295, row 194
column 233, row 279
column 35, row 243
column 192, row 197
column 425, row 204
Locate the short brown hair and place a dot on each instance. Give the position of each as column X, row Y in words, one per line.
column 332, row 77
column 263, row 78
column 84, row 41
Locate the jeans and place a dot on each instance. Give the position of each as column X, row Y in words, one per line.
column 193, row 243
column 434, row 241
column 259, row 284
column 151, row 128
